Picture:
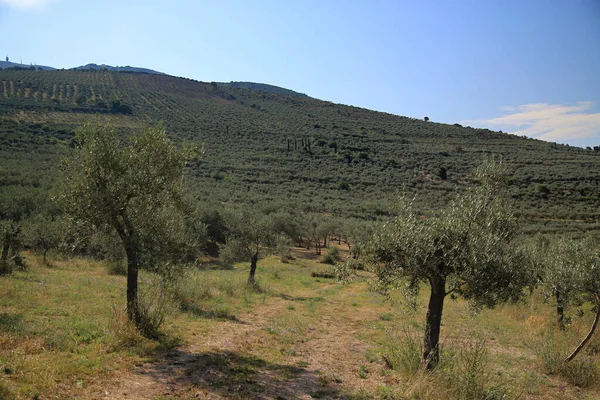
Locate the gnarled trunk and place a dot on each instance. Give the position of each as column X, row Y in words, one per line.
column 253, row 262
column 431, row 353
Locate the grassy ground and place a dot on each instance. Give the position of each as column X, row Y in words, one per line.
column 63, row 335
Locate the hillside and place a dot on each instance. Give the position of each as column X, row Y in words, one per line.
column 262, row 146
column 263, row 87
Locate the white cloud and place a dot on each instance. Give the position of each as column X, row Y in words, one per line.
column 26, row 4
column 551, row 122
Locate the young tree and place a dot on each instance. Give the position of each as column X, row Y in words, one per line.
column 251, row 235
column 134, row 187
column 16, row 204
column 44, row 233
column 465, row 250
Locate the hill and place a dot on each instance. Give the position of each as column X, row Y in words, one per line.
column 8, row 64
column 263, row 87
column 126, row 68
column 266, row 147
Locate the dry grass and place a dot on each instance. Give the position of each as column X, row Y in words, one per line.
column 63, row 334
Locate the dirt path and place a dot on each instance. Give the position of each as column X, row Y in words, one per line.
column 226, row 364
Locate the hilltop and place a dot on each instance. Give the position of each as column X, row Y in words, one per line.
column 264, row 146
column 126, row 68
column 9, row 64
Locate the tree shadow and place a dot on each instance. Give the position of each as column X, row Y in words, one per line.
column 221, row 315
column 300, row 298
column 214, row 264
column 233, row 375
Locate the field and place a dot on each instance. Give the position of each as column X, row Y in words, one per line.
column 272, row 148
column 63, row 335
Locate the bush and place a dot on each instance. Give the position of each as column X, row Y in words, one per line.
column 282, row 248
column 155, row 304
column 404, row 353
column 552, row 346
column 122, row 332
column 115, row 267
column 332, row 256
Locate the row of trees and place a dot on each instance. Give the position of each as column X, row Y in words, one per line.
column 135, row 191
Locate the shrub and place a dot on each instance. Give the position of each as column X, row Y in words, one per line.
column 551, row 346
column 404, row 353
column 115, row 267
column 155, row 304
column 332, row 256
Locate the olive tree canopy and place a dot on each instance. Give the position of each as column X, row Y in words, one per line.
column 467, row 249
column 134, row 187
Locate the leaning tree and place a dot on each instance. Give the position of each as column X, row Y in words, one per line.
column 467, row 249
column 134, row 187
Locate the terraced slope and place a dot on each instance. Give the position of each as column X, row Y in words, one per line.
column 263, row 146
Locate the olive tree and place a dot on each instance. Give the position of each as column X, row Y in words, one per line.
column 570, row 269
column 16, row 204
column 251, row 235
column 467, row 250
column 44, row 233
column 134, row 187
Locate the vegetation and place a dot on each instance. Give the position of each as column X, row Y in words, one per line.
column 466, row 250
column 131, row 212
column 358, row 160
column 136, row 191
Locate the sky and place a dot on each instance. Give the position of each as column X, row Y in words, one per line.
column 529, row 67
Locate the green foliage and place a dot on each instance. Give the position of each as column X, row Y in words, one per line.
column 44, row 234
column 332, row 256
column 379, row 154
column 469, row 244
column 467, row 250
column 137, row 190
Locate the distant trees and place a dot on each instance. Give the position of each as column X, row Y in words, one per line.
column 134, row 188
column 466, row 250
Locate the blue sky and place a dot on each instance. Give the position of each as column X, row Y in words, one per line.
column 531, row 67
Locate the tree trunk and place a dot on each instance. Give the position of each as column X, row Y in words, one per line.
column 253, row 262
column 590, row 334
column 133, row 307
column 560, row 310
column 431, row 353
column 4, row 267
